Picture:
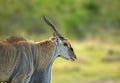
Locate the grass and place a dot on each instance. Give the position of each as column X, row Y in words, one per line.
column 89, row 67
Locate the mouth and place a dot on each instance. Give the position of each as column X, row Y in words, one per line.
column 73, row 59
column 65, row 58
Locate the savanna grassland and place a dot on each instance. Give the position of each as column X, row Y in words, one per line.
column 93, row 26
column 97, row 62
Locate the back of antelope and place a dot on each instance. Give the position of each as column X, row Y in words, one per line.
column 22, row 61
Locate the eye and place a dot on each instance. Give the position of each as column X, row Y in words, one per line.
column 65, row 44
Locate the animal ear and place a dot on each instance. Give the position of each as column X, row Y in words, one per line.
column 57, row 40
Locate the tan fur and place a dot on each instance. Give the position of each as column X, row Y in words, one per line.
column 46, row 50
column 7, row 59
column 36, row 54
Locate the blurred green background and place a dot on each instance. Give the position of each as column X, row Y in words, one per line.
column 93, row 27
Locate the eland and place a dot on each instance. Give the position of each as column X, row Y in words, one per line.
column 23, row 61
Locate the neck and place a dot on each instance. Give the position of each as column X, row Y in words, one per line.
column 45, row 53
column 43, row 74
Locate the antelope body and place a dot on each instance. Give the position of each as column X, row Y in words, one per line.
column 22, row 61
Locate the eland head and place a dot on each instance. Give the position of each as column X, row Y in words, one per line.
column 64, row 47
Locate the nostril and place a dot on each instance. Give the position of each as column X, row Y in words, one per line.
column 75, row 57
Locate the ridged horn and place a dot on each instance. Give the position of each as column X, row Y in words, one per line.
column 56, row 33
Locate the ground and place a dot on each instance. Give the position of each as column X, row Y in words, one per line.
column 95, row 64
